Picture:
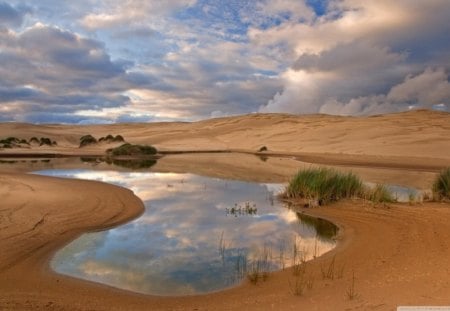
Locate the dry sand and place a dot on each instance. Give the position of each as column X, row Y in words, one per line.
column 399, row 255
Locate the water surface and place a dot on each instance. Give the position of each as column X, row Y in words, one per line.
column 197, row 235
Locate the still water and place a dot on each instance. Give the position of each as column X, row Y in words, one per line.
column 197, row 235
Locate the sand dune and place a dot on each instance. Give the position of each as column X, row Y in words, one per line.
column 420, row 134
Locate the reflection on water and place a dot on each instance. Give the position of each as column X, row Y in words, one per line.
column 188, row 241
column 133, row 164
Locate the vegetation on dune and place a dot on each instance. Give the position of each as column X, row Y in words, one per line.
column 110, row 139
column 46, row 141
column 132, row 150
column 323, row 185
column 380, row 194
column 441, row 185
column 14, row 142
column 262, row 149
column 87, row 140
column 91, row 140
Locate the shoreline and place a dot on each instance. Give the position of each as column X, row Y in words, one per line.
column 32, row 284
column 356, row 160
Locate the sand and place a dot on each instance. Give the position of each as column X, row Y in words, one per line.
column 399, row 255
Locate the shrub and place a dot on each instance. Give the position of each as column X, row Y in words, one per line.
column 441, row 185
column 323, row 185
column 34, row 140
column 263, row 148
column 119, row 138
column 132, row 150
column 45, row 141
column 87, row 140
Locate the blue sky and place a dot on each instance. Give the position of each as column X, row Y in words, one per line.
column 136, row 61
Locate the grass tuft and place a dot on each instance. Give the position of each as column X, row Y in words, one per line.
column 380, row 194
column 323, row 185
column 441, row 185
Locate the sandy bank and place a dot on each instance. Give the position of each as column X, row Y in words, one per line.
column 399, row 255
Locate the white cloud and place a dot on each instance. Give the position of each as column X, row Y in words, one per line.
column 354, row 59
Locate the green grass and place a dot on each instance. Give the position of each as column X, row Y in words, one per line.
column 441, row 185
column 324, row 185
column 380, row 194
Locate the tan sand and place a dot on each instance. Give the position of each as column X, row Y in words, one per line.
column 399, row 255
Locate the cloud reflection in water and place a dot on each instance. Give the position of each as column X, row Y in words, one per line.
column 186, row 242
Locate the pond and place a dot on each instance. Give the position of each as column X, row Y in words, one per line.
column 197, row 234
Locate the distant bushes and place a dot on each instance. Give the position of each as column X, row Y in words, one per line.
column 87, row 140
column 441, row 185
column 132, row 150
column 262, row 149
column 14, row 142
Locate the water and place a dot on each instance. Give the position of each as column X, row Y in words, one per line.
column 197, row 235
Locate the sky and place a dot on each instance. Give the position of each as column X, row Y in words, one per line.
column 108, row 61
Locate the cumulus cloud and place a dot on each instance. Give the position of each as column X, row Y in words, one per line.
column 428, row 89
column 47, row 69
column 363, row 58
column 143, row 60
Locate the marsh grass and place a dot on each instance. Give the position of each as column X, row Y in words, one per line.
column 441, row 186
column 351, row 291
column 301, row 281
column 328, row 272
column 323, row 185
column 259, row 268
column 380, row 194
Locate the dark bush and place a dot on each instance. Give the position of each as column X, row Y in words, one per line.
column 132, row 150
column 119, row 138
column 87, row 140
column 45, row 141
column 263, row 148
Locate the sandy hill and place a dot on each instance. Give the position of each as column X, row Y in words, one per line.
column 419, row 133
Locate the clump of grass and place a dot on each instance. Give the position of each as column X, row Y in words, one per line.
column 351, row 292
column 323, row 185
column 380, row 194
column 441, row 185
column 132, row 150
column 258, row 269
